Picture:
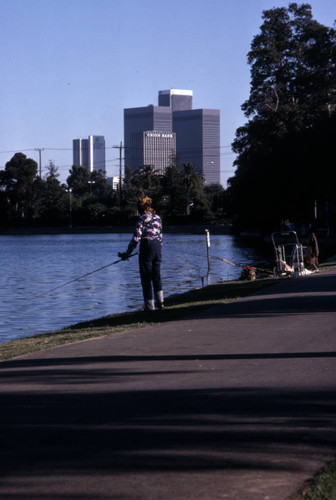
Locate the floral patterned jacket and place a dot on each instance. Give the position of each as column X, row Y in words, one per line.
column 148, row 226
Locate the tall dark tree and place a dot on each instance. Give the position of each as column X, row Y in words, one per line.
column 17, row 181
column 144, row 181
column 217, row 199
column 78, row 180
column 172, row 201
column 98, row 186
column 189, row 180
column 52, row 197
column 292, row 67
column 293, row 91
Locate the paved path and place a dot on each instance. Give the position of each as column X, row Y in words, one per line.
column 238, row 403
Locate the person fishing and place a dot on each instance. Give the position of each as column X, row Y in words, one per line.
column 148, row 231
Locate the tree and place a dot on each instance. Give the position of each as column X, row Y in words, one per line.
column 52, row 197
column 78, row 180
column 17, row 181
column 144, row 181
column 149, row 178
column 293, row 95
column 172, row 201
column 189, row 180
column 217, row 199
column 98, row 186
column 292, row 67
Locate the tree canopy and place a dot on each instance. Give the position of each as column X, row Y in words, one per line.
column 285, row 150
column 18, row 181
column 179, row 195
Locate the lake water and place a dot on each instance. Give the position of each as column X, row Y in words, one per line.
column 34, row 265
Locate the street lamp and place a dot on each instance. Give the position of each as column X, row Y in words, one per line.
column 70, row 206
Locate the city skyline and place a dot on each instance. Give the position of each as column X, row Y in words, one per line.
column 63, row 79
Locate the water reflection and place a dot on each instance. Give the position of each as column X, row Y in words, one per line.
column 33, row 265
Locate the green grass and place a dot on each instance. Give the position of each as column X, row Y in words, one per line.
column 176, row 307
column 322, row 486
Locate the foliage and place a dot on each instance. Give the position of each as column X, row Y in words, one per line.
column 322, row 486
column 179, row 195
column 52, row 199
column 285, row 150
column 78, row 180
column 17, row 183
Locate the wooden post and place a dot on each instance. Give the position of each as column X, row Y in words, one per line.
column 208, row 253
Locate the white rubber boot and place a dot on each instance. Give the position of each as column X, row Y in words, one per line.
column 159, row 299
column 149, row 305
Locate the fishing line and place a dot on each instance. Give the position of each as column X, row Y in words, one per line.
column 83, row 276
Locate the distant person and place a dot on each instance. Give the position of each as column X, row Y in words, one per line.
column 148, row 231
column 311, row 258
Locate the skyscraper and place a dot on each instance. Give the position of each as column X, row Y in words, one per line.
column 178, row 100
column 198, row 141
column 90, row 153
column 80, row 152
column 148, row 136
column 154, row 135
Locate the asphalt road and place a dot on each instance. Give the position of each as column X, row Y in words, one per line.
column 237, row 403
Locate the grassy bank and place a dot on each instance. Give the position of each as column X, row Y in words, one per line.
column 321, row 487
column 176, row 307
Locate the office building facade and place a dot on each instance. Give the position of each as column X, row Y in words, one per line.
column 80, row 150
column 178, row 100
column 198, row 141
column 158, row 149
column 156, row 135
column 148, row 137
column 90, row 153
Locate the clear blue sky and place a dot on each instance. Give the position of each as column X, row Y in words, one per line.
column 70, row 67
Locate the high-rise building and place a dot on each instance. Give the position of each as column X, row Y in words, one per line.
column 178, row 100
column 198, row 141
column 148, row 136
column 90, row 153
column 80, row 152
column 155, row 135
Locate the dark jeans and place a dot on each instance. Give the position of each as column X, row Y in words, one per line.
column 150, row 266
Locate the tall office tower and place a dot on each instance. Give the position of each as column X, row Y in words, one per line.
column 97, row 153
column 80, row 152
column 148, row 137
column 198, row 141
column 154, row 135
column 178, row 100
column 90, row 153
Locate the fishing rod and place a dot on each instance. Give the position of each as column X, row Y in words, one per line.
column 84, row 276
column 227, row 261
column 240, row 265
